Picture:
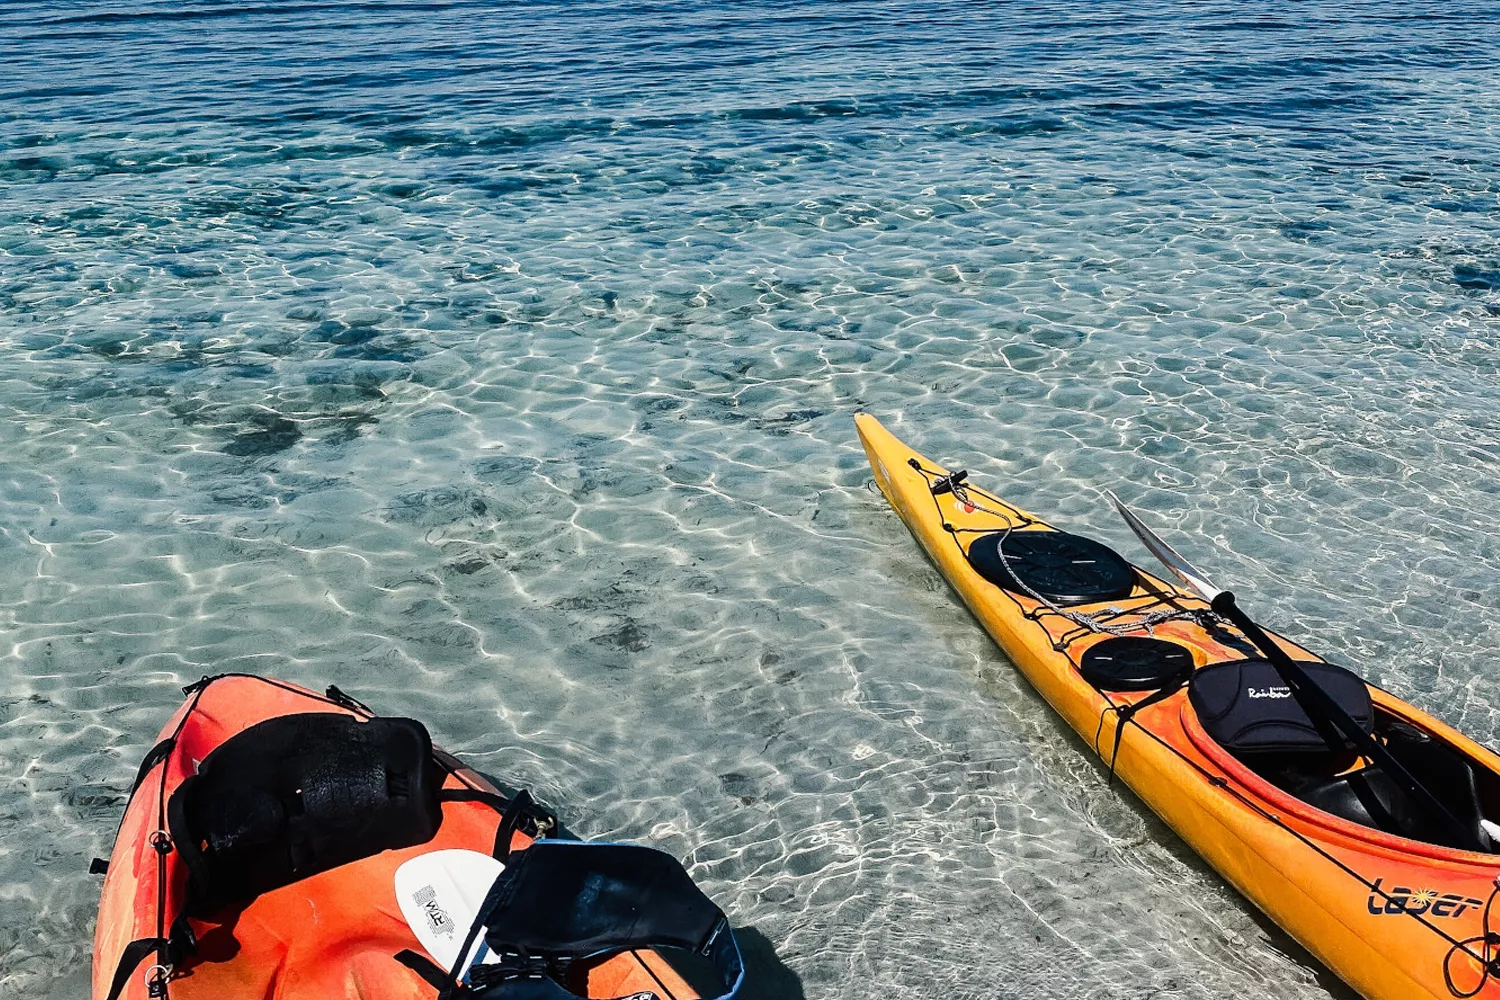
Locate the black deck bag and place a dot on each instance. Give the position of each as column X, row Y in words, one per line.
column 1248, row 709
column 297, row 795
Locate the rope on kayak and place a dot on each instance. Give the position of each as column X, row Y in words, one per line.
column 169, row 943
column 1095, row 622
column 178, row 938
column 1488, row 958
column 1125, row 714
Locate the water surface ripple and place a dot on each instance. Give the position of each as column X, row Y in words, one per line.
column 496, row 362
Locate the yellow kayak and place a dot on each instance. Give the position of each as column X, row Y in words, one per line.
column 1184, row 709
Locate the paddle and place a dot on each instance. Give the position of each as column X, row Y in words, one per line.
column 1320, row 708
column 440, row 893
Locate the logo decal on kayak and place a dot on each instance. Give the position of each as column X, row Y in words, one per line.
column 1269, row 692
column 643, row 995
column 426, row 898
column 1400, row 899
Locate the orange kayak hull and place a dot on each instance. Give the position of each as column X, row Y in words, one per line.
column 333, row 936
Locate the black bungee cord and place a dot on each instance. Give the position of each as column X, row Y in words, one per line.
column 1488, row 956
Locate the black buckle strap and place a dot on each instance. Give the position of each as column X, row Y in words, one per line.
column 515, row 965
column 154, row 756
column 130, row 959
column 1125, row 713
column 493, row 800
column 181, row 941
column 432, row 974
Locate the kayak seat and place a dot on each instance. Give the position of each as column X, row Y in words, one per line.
column 1246, row 707
column 561, row 901
column 297, row 795
column 1370, row 797
column 1062, row 568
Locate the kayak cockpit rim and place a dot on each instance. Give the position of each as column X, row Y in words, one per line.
column 1279, row 803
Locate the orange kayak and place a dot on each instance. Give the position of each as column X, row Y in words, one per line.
column 1181, row 708
column 335, row 934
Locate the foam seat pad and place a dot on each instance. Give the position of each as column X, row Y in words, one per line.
column 1248, row 709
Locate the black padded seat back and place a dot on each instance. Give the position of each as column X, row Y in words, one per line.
column 1248, row 709
column 559, row 901
column 300, row 794
column 1063, row 568
column 580, row 899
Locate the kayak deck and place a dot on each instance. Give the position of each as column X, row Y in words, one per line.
column 1388, row 913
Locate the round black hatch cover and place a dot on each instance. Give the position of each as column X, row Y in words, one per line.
column 1135, row 663
column 1064, row 568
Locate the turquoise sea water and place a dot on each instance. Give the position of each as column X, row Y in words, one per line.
column 496, row 362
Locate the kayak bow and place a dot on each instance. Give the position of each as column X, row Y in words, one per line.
column 285, row 845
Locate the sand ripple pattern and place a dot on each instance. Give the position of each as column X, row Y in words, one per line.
column 496, row 362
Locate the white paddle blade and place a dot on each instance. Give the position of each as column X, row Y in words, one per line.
column 1165, row 554
column 440, row 894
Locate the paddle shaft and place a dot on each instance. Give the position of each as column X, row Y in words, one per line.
column 1317, row 704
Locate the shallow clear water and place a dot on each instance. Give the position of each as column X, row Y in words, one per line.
column 496, row 362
